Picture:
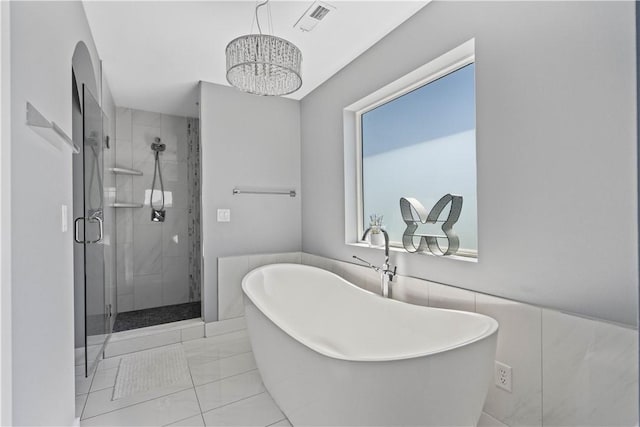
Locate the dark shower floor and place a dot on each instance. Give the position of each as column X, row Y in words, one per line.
column 156, row 316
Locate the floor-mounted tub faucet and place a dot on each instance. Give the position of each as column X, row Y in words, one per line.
column 386, row 274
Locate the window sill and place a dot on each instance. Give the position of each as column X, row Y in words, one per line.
column 398, row 249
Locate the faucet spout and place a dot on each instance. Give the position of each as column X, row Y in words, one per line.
column 386, row 240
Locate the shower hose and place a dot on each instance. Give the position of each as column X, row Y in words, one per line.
column 156, row 169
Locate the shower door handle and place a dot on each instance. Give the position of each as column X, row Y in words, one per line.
column 76, row 235
column 100, row 229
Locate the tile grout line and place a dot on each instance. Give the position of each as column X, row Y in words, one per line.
column 194, row 390
column 279, row 421
column 157, row 397
column 134, row 404
column 221, row 358
column 89, row 390
column 226, row 378
column 235, row 401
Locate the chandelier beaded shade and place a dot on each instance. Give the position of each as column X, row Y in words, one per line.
column 263, row 64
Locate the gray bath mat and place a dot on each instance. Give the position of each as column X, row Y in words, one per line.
column 146, row 370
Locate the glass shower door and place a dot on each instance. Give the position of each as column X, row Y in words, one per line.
column 96, row 318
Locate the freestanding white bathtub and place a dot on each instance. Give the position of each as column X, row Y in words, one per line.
column 331, row 353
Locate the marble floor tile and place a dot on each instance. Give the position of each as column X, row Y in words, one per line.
column 104, row 378
column 196, row 421
column 83, row 384
column 213, row 371
column 210, row 349
column 487, row 420
column 80, row 401
column 101, row 402
column 281, row 423
column 229, row 390
column 259, row 410
column 109, row 363
column 155, row 412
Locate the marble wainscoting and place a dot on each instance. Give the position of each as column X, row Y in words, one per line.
column 567, row 370
column 231, row 270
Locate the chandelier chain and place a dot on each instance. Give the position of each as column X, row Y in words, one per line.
column 257, row 17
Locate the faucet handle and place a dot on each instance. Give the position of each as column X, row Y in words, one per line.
column 367, row 263
column 393, row 274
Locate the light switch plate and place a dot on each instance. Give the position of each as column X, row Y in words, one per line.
column 224, row 215
column 65, row 218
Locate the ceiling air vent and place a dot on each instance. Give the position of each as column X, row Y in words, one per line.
column 313, row 15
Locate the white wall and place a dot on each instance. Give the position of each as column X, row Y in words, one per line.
column 43, row 38
column 253, row 141
column 109, row 184
column 556, row 150
column 5, row 215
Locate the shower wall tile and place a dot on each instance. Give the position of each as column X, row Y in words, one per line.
column 147, row 291
column 174, row 232
column 179, row 194
column 124, row 187
column 170, row 170
column 124, row 225
column 174, row 271
column 124, row 267
column 124, row 156
column 146, row 118
column 147, row 249
column 174, row 133
column 125, row 302
column 231, row 270
column 519, row 343
column 143, row 137
column 170, row 137
column 123, row 123
column 590, row 372
column 442, row 296
column 155, row 269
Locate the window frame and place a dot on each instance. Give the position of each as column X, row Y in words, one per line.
column 448, row 63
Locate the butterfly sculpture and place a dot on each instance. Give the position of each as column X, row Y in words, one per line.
column 414, row 214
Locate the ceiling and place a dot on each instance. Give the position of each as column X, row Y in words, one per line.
column 154, row 53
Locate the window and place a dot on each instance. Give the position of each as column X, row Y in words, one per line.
column 420, row 142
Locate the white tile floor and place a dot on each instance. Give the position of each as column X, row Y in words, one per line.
column 224, row 389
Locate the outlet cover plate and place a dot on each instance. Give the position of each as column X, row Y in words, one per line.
column 224, row 215
column 502, row 375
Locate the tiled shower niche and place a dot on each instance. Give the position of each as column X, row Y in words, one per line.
column 155, row 260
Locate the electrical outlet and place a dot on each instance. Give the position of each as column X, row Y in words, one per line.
column 502, row 375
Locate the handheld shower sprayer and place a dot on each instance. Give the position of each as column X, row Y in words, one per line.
column 157, row 215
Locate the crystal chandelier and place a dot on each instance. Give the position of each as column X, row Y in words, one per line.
column 263, row 64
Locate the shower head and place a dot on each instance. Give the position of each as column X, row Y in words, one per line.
column 158, row 146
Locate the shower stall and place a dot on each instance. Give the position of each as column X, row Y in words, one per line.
column 158, row 258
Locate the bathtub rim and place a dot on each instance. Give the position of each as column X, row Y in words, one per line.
column 491, row 329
